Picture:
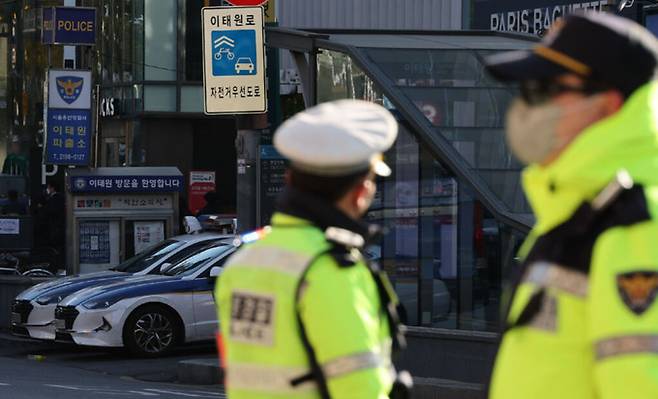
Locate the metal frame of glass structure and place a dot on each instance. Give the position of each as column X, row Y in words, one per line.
column 451, row 235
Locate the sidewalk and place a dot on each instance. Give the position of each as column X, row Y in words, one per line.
column 206, row 371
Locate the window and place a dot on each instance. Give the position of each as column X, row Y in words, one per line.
column 191, row 264
column 466, row 107
column 121, row 48
column 185, row 253
column 144, row 259
column 219, row 263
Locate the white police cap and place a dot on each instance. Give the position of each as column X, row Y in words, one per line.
column 338, row 138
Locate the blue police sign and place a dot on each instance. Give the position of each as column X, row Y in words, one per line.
column 69, row 25
column 68, row 137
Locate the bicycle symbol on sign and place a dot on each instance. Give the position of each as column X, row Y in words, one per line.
column 224, row 41
column 227, row 51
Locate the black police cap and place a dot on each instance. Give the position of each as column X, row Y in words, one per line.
column 600, row 47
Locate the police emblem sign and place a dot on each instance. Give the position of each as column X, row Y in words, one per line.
column 69, row 89
column 234, row 60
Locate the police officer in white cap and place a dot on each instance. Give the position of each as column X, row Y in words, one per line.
column 303, row 314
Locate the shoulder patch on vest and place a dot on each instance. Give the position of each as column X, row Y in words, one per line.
column 344, row 237
column 638, row 289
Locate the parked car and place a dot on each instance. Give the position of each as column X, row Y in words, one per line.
column 32, row 312
column 149, row 314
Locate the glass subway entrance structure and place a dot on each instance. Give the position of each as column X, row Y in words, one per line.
column 454, row 210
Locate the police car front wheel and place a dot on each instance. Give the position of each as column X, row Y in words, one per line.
column 151, row 331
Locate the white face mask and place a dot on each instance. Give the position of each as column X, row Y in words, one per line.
column 532, row 130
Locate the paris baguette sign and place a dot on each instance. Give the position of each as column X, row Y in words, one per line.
column 528, row 16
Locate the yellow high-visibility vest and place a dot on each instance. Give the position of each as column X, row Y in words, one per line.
column 264, row 288
column 583, row 322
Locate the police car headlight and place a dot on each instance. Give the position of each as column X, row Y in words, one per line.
column 98, row 304
column 49, row 299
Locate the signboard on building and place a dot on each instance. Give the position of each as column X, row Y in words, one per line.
column 69, row 25
column 122, row 202
column 68, row 119
column 201, row 182
column 234, row 60
column 125, row 184
column 147, row 234
column 107, row 107
column 271, row 181
column 528, row 16
column 68, row 136
column 10, row 226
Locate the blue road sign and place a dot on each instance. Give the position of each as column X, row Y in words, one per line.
column 233, row 61
column 68, row 136
column 233, row 52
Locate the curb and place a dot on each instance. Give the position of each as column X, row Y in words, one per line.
column 434, row 388
column 200, row 372
column 207, row 372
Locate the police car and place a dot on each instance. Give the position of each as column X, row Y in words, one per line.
column 32, row 312
column 148, row 314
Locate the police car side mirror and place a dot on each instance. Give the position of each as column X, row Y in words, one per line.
column 164, row 267
column 215, row 271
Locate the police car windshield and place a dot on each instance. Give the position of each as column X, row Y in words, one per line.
column 191, row 264
column 149, row 256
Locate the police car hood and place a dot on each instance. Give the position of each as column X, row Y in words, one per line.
column 70, row 284
column 626, row 140
column 129, row 287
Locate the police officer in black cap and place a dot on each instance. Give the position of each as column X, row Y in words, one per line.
column 583, row 322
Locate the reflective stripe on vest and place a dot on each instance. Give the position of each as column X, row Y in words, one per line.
column 278, row 379
column 275, row 379
column 272, row 258
column 626, row 345
column 351, row 363
column 551, row 275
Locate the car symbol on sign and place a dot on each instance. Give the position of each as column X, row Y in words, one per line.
column 244, row 64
